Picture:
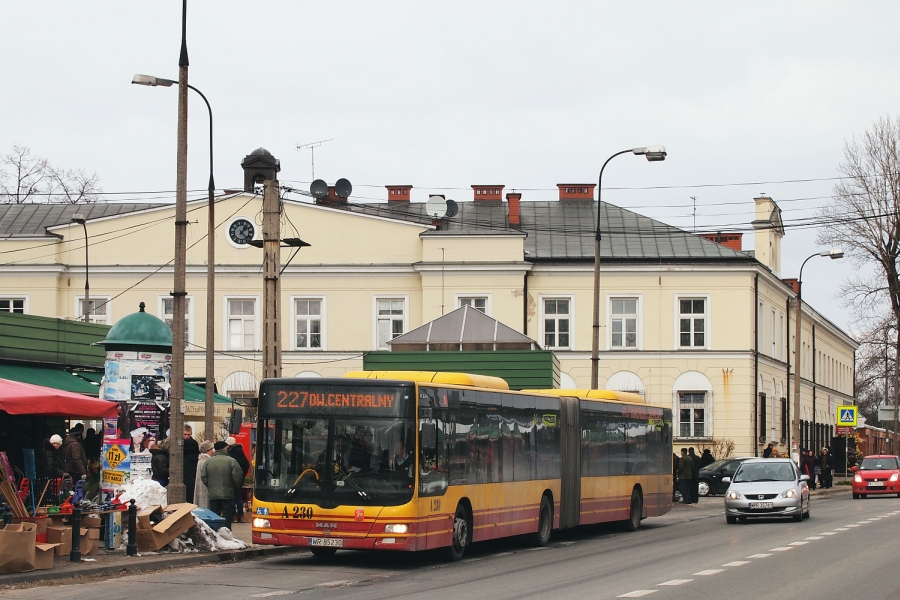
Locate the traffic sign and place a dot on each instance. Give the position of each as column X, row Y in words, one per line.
column 843, row 431
column 846, row 416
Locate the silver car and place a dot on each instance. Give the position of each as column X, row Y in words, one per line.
column 767, row 487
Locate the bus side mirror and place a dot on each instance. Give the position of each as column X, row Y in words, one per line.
column 237, row 417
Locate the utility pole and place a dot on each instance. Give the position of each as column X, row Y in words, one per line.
column 271, row 230
column 176, row 489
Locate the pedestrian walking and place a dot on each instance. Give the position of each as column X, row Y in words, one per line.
column 675, row 461
column 222, row 475
column 706, row 458
column 201, row 492
column 191, row 455
column 73, row 453
column 236, row 451
column 812, row 468
column 695, row 476
column 685, row 475
column 826, row 464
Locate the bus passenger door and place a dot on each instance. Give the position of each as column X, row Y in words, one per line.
column 570, row 459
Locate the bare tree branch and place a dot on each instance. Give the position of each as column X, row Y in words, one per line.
column 25, row 177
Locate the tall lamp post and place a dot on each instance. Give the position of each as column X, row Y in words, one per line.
column 653, row 154
column 834, row 253
column 209, row 419
column 79, row 218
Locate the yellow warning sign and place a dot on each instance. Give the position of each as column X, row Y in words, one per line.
column 114, row 477
column 114, row 456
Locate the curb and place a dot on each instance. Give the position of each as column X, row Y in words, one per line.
column 143, row 564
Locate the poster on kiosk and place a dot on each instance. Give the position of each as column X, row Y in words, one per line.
column 140, row 383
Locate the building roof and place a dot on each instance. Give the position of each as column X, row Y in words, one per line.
column 554, row 230
column 464, row 327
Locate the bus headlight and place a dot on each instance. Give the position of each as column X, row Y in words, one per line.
column 261, row 524
column 396, row 528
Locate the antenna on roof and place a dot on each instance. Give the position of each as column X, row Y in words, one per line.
column 312, row 148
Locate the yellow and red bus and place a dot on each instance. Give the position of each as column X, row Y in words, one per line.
column 421, row 460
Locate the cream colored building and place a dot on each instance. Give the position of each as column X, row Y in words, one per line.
column 698, row 326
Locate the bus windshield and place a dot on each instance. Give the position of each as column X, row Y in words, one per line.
column 342, row 451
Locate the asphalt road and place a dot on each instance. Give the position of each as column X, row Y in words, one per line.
column 689, row 553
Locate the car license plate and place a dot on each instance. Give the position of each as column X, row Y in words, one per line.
column 876, row 484
column 332, row 542
column 761, row 505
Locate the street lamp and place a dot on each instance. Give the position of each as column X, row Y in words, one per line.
column 79, row 218
column 834, row 253
column 653, row 154
column 209, row 420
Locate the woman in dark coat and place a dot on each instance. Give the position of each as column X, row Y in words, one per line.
column 54, row 464
column 159, row 464
column 706, row 458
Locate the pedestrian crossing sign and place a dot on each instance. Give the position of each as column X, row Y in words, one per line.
column 846, row 416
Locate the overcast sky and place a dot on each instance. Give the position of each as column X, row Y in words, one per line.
column 445, row 95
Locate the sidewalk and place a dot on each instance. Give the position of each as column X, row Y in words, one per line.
column 115, row 562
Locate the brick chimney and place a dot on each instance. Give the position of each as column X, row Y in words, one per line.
column 488, row 193
column 729, row 240
column 331, row 198
column 513, row 199
column 576, row 191
column 398, row 193
column 793, row 283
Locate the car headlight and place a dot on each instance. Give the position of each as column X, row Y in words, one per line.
column 858, row 479
column 734, row 495
column 261, row 523
column 895, row 476
column 396, row 528
column 790, row 493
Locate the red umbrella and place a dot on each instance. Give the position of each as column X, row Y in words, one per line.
column 26, row 399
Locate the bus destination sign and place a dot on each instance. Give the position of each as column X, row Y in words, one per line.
column 375, row 401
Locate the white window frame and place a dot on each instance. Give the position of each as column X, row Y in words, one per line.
column 160, row 308
column 639, row 326
column 375, row 299
column 25, row 298
column 541, row 317
column 226, row 334
column 322, row 322
column 107, row 319
column 458, row 298
column 706, row 415
column 707, row 334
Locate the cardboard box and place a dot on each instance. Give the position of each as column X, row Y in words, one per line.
column 17, row 548
column 143, row 516
column 43, row 555
column 62, row 537
column 91, row 520
column 92, row 548
column 179, row 520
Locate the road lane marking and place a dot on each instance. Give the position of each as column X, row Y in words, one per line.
column 759, row 555
column 798, row 543
column 675, row 582
column 270, row 594
column 709, row 572
column 781, row 549
column 814, row 537
column 637, row 594
column 874, row 519
column 852, row 525
column 862, row 522
column 841, row 529
column 339, row 583
column 827, row 533
column 736, row 563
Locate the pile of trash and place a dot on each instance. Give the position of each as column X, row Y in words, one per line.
column 193, row 534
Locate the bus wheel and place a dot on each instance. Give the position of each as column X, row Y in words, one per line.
column 460, row 534
column 323, row 551
column 637, row 510
column 545, row 524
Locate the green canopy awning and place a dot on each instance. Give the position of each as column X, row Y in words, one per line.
column 52, row 377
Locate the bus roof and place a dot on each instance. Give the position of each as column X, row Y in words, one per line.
column 465, row 379
column 593, row 394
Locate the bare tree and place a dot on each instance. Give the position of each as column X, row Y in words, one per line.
column 864, row 219
column 25, row 177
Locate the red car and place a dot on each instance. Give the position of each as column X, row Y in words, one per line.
column 878, row 474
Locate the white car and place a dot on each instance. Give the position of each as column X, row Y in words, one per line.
column 767, row 487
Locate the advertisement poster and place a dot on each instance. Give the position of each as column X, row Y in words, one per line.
column 140, row 466
column 140, row 383
column 147, row 423
column 115, row 466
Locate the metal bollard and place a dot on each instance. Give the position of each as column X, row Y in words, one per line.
column 131, row 548
column 75, row 554
column 8, row 516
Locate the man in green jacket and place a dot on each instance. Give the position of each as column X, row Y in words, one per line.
column 685, row 476
column 222, row 475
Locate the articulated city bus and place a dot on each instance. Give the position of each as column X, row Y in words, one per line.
column 421, row 460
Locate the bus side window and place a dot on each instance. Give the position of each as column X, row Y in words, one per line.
column 433, row 475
